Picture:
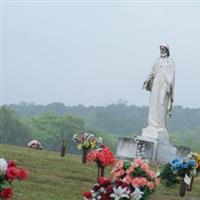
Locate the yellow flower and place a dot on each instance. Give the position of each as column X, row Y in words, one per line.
column 79, row 146
column 93, row 144
column 197, row 158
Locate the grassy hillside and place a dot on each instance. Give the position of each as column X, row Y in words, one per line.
column 53, row 178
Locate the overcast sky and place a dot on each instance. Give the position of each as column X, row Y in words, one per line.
column 96, row 53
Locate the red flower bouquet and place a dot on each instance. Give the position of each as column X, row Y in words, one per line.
column 117, row 190
column 8, row 173
column 103, row 157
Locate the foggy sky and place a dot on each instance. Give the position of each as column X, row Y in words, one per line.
column 96, row 53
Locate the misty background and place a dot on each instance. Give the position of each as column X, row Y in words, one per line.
column 96, row 53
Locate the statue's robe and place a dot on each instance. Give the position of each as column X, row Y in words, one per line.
column 161, row 84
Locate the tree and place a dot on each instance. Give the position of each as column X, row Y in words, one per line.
column 49, row 128
column 12, row 129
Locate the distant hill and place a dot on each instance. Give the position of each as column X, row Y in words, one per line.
column 123, row 120
column 115, row 118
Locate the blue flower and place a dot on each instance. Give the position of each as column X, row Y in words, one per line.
column 185, row 165
column 175, row 161
column 192, row 163
column 177, row 165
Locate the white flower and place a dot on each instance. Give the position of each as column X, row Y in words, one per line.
column 120, row 193
column 3, row 165
column 75, row 136
column 147, row 161
column 86, row 134
column 102, row 189
column 100, row 140
column 193, row 172
column 158, row 173
column 143, row 149
column 137, row 194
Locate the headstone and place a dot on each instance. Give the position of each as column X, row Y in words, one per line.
column 150, row 146
column 129, row 148
column 166, row 153
column 182, row 151
column 145, row 149
column 126, row 148
column 156, row 143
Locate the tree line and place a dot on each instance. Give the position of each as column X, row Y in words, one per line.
column 49, row 128
column 112, row 121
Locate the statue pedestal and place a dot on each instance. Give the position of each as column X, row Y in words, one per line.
column 155, row 145
column 163, row 151
column 156, row 134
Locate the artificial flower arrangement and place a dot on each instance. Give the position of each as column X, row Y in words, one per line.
column 187, row 167
column 180, row 172
column 86, row 142
column 8, row 173
column 129, row 181
column 103, row 157
column 195, row 156
column 105, row 189
column 177, row 168
column 136, row 174
column 168, row 176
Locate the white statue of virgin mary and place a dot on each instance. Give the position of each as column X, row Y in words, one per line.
column 160, row 82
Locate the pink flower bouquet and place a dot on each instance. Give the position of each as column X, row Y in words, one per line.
column 137, row 174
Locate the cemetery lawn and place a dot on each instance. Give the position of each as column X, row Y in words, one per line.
column 55, row 178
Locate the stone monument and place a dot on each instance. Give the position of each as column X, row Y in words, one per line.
column 126, row 148
column 155, row 137
column 160, row 83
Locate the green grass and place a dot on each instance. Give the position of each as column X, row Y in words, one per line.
column 55, row 178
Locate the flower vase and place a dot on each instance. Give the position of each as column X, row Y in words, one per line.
column 190, row 186
column 63, row 148
column 84, row 155
column 62, row 151
column 100, row 172
column 183, row 187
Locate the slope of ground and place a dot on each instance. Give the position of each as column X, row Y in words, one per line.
column 55, row 178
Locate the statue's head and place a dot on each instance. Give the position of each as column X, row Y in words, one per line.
column 164, row 50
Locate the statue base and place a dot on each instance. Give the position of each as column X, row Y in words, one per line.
column 153, row 144
column 156, row 134
column 162, row 150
